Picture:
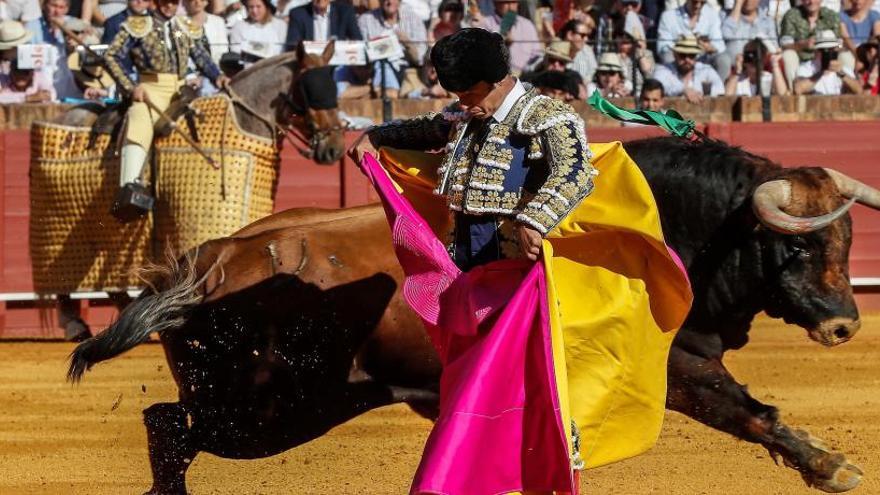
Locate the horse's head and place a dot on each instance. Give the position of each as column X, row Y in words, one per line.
column 313, row 99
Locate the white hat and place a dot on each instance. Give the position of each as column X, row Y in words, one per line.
column 827, row 40
column 12, row 34
column 610, row 62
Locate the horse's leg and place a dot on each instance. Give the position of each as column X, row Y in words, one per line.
column 705, row 390
column 75, row 329
column 170, row 445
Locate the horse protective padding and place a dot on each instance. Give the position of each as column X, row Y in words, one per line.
column 75, row 243
column 196, row 202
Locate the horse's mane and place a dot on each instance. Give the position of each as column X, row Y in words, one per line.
column 277, row 60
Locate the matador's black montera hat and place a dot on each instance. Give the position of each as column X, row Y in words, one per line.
column 469, row 56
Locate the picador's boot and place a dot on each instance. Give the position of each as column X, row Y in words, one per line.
column 134, row 199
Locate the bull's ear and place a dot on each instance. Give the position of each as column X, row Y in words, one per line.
column 327, row 54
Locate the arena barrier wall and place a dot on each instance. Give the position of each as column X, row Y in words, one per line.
column 851, row 147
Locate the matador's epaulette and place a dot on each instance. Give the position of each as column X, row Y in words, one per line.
column 192, row 29
column 542, row 113
column 138, row 26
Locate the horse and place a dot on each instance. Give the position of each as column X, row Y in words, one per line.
column 271, row 100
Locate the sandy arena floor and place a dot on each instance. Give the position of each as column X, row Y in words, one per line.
column 55, row 438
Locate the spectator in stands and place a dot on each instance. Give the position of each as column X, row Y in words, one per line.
column 743, row 80
column 261, row 34
column 860, row 23
column 827, row 74
column 622, row 16
column 697, row 19
column 797, row 36
column 426, row 86
column 19, row 10
column 112, row 25
column 557, row 58
column 322, row 20
column 91, row 77
column 686, row 76
column 583, row 62
column 868, row 55
column 652, row 96
column 637, row 62
column 559, row 85
column 213, row 26
column 423, row 9
column 105, row 9
column 450, row 15
column 520, row 33
column 46, row 32
column 609, row 81
column 18, row 85
column 25, row 86
column 410, row 31
column 748, row 21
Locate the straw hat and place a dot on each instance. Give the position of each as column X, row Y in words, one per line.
column 610, row 62
column 827, row 40
column 559, row 50
column 12, row 34
column 687, row 44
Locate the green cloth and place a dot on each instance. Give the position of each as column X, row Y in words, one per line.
column 671, row 120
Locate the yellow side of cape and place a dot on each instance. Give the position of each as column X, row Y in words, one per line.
column 615, row 296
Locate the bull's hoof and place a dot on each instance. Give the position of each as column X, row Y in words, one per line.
column 829, row 471
column 843, row 475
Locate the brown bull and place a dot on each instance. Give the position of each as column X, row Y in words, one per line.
column 295, row 324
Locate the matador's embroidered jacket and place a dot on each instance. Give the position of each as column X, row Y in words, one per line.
column 156, row 45
column 533, row 166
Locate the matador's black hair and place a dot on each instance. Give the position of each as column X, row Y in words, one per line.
column 469, row 56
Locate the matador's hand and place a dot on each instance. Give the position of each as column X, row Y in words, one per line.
column 529, row 241
column 360, row 147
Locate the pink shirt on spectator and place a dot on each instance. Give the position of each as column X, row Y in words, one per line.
column 525, row 40
column 42, row 81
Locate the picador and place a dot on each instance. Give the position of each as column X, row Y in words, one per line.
column 160, row 45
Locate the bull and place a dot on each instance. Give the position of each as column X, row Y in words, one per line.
column 296, row 324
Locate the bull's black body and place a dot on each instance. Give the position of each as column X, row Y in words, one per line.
column 272, row 366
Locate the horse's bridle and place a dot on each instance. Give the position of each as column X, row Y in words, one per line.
column 297, row 109
column 301, row 109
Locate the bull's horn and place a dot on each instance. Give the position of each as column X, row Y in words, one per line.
column 853, row 189
column 769, row 199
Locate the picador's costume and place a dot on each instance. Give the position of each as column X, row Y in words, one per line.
column 160, row 49
column 527, row 163
column 595, row 312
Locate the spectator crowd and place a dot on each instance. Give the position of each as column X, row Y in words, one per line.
column 648, row 49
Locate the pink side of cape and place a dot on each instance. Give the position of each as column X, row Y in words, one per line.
column 500, row 428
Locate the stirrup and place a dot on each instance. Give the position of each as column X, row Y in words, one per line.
column 132, row 202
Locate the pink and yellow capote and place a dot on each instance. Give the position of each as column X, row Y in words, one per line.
column 580, row 336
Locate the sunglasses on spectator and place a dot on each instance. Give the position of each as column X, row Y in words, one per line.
column 687, row 55
column 582, row 34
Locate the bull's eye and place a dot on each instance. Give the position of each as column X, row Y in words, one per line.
column 799, row 247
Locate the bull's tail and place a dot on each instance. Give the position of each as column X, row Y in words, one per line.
column 153, row 311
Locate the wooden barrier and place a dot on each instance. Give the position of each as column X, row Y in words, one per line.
column 850, row 147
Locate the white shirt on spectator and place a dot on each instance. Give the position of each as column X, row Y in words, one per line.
column 584, row 63
column 373, row 24
column 674, row 24
column 745, row 87
column 272, row 35
column 19, row 10
column 216, row 32
column 425, row 9
column 737, row 34
column 322, row 25
column 829, row 83
column 673, row 85
column 776, row 9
